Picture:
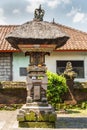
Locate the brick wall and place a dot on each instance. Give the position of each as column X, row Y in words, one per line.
column 5, row 66
column 15, row 92
column 12, row 92
column 13, row 96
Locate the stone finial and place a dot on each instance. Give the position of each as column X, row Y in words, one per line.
column 53, row 21
column 38, row 14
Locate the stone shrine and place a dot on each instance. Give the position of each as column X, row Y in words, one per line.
column 36, row 78
column 37, row 39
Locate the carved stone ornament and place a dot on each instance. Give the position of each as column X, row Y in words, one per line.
column 69, row 73
column 39, row 13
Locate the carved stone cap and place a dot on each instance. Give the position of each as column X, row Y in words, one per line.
column 38, row 14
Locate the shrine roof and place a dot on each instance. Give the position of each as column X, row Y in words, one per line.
column 76, row 42
column 37, row 32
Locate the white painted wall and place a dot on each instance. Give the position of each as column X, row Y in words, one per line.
column 19, row 60
column 51, row 60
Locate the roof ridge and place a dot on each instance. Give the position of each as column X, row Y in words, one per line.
column 68, row 27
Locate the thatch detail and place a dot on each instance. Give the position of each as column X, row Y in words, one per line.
column 37, row 32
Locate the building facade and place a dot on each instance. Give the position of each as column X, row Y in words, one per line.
column 13, row 63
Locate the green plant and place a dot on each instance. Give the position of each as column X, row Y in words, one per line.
column 79, row 106
column 84, row 105
column 56, row 87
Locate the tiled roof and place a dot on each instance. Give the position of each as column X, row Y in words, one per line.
column 77, row 41
column 4, row 45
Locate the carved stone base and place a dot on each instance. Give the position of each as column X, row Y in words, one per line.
column 34, row 115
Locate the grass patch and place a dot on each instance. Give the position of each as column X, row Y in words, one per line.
column 81, row 105
column 77, row 112
column 10, row 107
column 79, row 109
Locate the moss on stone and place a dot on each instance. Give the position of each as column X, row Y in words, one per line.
column 52, row 117
column 30, row 116
column 12, row 84
column 36, row 124
column 43, row 117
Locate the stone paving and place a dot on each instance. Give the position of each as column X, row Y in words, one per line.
column 64, row 122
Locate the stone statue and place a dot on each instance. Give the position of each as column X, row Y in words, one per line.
column 69, row 73
column 39, row 13
column 69, row 66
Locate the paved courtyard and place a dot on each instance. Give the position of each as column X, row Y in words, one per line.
column 64, row 122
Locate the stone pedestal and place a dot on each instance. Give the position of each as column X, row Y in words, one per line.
column 37, row 115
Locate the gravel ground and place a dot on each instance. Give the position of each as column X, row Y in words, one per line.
column 64, row 122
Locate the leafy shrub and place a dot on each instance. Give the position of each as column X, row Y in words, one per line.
column 56, row 87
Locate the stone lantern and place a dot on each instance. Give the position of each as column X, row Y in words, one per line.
column 37, row 39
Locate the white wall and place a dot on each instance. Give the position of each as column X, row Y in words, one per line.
column 19, row 60
column 51, row 60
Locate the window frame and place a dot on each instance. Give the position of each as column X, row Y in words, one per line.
column 72, row 66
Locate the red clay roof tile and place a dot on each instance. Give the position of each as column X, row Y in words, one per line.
column 4, row 45
column 77, row 41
